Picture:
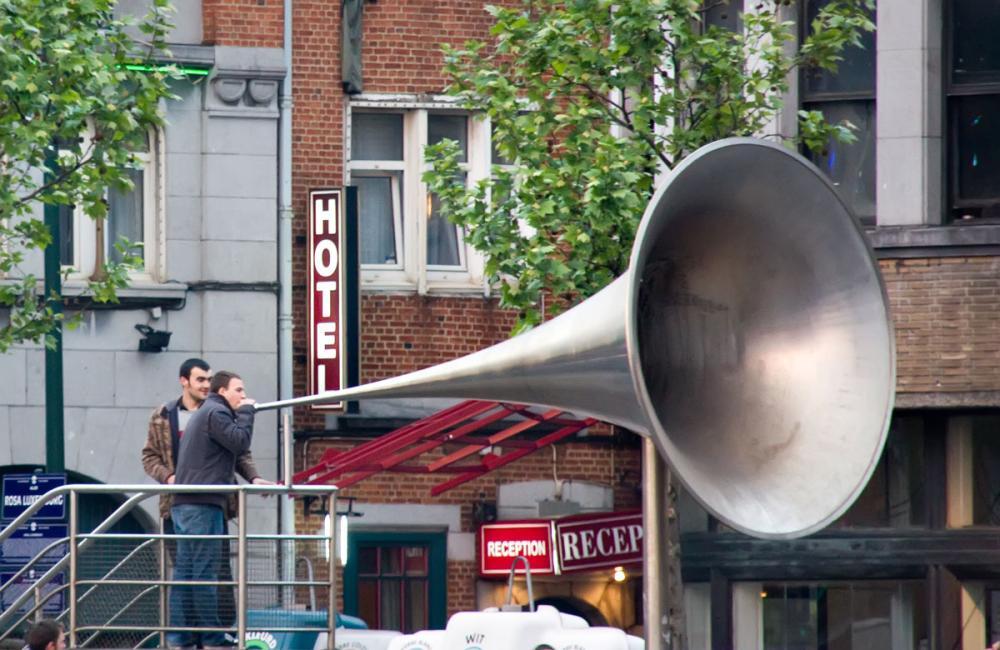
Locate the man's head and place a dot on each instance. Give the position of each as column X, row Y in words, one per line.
column 229, row 386
column 195, row 377
column 46, row 635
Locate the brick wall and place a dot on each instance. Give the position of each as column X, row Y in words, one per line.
column 242, row 23
column 462, row 587
column 598, row 461
column 401, row 53
column 402, row 41
column 947, row 330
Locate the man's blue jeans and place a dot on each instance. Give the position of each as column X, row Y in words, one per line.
column 197, row 559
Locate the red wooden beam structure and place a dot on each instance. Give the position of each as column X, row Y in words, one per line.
column 454, row 425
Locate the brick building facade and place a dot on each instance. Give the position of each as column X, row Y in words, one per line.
column 942, row 278
column 425, row 315
column 912, row 565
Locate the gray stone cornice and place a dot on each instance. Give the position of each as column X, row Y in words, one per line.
column 193, row 55
column 958, row 239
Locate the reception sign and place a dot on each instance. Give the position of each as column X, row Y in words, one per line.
column 569, row 545
column 499, row 544
column 590, row 542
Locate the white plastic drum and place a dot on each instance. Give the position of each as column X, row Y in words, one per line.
column 545, row 629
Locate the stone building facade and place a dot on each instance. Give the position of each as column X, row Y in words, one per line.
column 208, row 226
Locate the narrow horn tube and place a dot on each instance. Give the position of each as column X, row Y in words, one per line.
column 577, row 361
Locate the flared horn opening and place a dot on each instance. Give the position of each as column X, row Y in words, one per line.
column 759, row 338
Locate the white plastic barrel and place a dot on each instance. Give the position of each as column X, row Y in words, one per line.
column 358, row 639
column 545, row 629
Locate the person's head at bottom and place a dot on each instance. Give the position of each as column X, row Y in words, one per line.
column 46, row 635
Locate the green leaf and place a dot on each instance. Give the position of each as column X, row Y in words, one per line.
column 62, row 68
column 560, row 220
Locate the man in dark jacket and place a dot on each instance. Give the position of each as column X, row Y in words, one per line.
column 218, row 433
column 159, row 458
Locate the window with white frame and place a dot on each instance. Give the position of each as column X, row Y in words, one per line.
column 405, row 241
column 133, row 215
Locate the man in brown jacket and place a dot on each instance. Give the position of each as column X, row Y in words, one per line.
column 166, row 427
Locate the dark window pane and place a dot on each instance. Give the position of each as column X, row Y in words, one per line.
column 415, row 560
column 905, row 472
column 368, row 602
column 392, row 564
column 451, row 127
column 376, row 136
column 799, row 617
column 977, row 142
column 390, row 606
column 496, row 157
column 986, row 470
column 992, row 616
column 975, row 46
column 871, row 508
column 851, row 167
column 855, row 73
column 67, row 242
column 378, row 198
column 125, row 217
column 368, row 560
column 894, row 495
column 863, row 615
column 442, row 237
column 723, row 14
column 416, row 605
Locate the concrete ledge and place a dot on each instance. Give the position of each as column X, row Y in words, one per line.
column 969, row 399
column 936, row 241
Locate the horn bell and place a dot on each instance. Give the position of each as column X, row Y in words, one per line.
column 750, row 338
column 760, row 338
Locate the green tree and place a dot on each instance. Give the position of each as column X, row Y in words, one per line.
column 69, row 68
column 588, row 100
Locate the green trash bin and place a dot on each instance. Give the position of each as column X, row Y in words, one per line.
column 260, row 637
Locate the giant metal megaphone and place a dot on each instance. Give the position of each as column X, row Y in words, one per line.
column 750, row 339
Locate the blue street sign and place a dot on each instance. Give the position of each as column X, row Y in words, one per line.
column 22, row 490
column 31, row 539
column 53, row 606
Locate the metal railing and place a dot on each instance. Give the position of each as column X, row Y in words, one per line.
column 116, row 585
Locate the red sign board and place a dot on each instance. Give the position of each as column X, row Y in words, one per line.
column 326, row 294
column 590, row 542
column 499, row 544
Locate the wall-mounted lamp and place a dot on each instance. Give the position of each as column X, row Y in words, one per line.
column 152, row 340
column 312, row 505
column 619, row 574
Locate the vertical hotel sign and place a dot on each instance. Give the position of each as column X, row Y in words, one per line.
column 327, row 293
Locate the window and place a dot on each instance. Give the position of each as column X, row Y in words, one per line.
column 973, row 89
column 396, row 581
column 132, row 214
column 405, row 242
column 864, row 615
column 895, row 494
column 392, row 586
column 847, row 95
column 724, row 14
column 985, row 469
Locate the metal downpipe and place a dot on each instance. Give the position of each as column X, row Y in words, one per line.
column 285, row 323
